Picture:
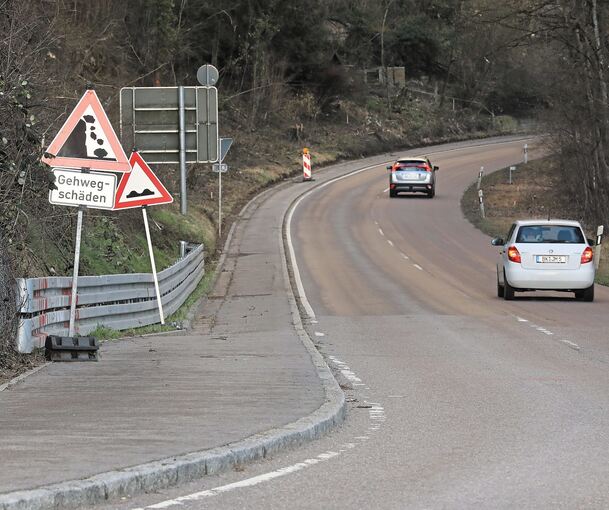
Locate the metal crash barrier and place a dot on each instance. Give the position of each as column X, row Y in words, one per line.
column 119, row 302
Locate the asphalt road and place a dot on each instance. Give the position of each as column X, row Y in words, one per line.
column 457, row 399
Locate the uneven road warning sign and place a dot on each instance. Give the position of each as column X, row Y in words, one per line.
column 76, row 188
column 140, row 186
column 87, row 140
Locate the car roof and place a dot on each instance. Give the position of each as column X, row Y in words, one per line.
column 572, row 223
column 403, row 160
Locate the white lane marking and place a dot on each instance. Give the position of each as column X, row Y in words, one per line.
column 351, row 376
column 318, row 333
column 573, row 345
column 418, row 267
column 299, row 286
column 406, row 257
column 314, row 322
column 395, row 396
column 376, row 222
column 547, row 332
column 381, row 232
column 386, row 190
column 249, row 482
column 390, row 242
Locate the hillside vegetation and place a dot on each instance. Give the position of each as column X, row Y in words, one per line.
column 291, row 75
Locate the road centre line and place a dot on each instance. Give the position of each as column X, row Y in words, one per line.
column 381, row 232
column 573, row 345
column 547, row 332
column 389, row 242
column 385, row 190
column 418, row 267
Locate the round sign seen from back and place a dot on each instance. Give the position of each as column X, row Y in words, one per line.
column 207, row 75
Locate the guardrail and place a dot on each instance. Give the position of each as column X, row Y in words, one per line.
column 119, row 301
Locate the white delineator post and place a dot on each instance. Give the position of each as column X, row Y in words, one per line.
column 481, row 200
column 306, row 165
column 480, row 174
column 599, row 239
column 525, row 151
column 153, row 264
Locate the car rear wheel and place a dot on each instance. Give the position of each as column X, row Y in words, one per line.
column 508, row 290
column 432, row 193
column 393, row 193
column 585, row 294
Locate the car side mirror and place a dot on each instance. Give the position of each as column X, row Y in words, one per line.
column 591, row 242
column 436, row 168
column 389, row 167
column 498, row 241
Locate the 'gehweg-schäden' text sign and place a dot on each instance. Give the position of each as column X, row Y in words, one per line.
column 90, row 189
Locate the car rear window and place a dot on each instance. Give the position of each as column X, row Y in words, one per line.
column 550, row 234
column 418, row 165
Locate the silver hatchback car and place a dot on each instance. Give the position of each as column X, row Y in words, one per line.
column 545, row 255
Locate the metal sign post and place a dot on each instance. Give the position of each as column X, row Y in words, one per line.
column 153, row 264
column 481, row 199
column 512, row 169
column 182, row 136
column 224, row 145
column 219, row 193
column 72, row 327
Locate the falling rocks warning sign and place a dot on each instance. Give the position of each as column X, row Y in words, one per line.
column 87, row 140
column 140, row 187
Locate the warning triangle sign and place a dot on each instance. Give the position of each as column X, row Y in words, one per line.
column 140, row 186
column 87, row 140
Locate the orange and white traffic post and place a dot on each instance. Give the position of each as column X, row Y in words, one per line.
column 306, row 165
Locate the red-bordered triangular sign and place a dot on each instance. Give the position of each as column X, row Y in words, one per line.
column 87, row 140
column 140, row 186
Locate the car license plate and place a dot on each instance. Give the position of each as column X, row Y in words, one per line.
column 410, row 176
column 551, row 259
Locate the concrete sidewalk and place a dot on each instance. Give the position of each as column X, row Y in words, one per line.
column 245, row 376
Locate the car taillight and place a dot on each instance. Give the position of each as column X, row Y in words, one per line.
column 587, row 255
column 513, row 254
